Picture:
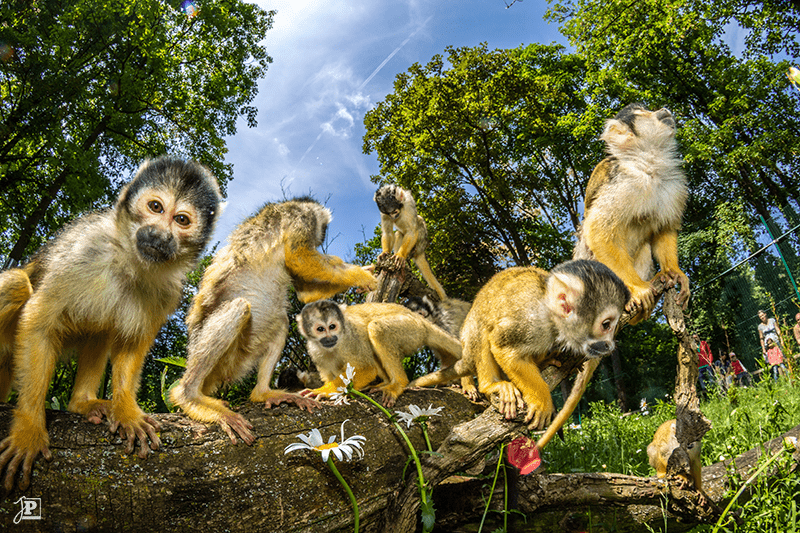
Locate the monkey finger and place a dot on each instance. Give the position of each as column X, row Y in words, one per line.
column 155, row 424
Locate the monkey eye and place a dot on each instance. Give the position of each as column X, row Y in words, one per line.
column 607, row 324
column 155, row 206
column 332, row 327
column 182, row 220
column 320, row 329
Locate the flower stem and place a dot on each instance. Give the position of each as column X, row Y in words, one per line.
column 420, row 480
column 424, row 427
column 346, row 488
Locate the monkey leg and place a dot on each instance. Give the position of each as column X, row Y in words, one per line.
column 208, row 345
column 35, row 360
column 92, row 360
column 15, row 290
column 665, row 250
column 125, row 415
column 266, row 367
column 526, row 379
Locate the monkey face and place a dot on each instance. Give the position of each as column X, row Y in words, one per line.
column 168, row 210
column 322, row 322
column 635, row 126
column 390, row 200
column 166, row 225
column 600, row 341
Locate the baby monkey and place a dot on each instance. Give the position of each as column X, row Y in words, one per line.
column 104, row 286
column 634, row 204
column 521, row 318
column 660, row 450
column 374, row 338
column 410, row 239
column 238, row 319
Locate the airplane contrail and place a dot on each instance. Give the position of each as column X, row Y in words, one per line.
column 374, row 72
column 393, row 54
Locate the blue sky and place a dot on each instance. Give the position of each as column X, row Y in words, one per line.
column 333, row 61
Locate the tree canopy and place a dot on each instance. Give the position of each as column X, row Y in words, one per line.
column 90, row 88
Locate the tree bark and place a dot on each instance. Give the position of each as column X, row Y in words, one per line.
column 199, row 480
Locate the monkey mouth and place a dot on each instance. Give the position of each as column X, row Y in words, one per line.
column 596, row 350
column 329, row 342
column 155, row 254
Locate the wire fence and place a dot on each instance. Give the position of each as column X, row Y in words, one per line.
column 765, row 280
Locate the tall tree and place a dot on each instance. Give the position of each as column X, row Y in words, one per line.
column 487, row 143
column 89, row 88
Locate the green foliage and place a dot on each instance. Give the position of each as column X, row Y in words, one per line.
column 485, row 142
column 90, row 88
column 608, row 441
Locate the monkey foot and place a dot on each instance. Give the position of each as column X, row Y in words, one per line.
column 234, row 424
column 143, row 428
column 21, row 448
column 509, row 399
column 273, row 399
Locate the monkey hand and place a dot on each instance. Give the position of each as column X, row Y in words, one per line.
column 132, row 426
column 234, row 424
column 641, row 303
column 398, row 262
column 509, row 398
column 24, row 443
column 677, row 277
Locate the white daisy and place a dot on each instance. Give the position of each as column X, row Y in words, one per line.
column 313, row 441
column 340, row 396
column 415, row 413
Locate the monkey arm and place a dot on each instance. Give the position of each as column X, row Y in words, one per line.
column 35, row 360
column 607, row 249
column 665, row 250
column 361, row 380
column 318, row 276
column 525, row 377
column 126, row 415
column 387, row 234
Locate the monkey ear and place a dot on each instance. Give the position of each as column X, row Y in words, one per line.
column 563, row 292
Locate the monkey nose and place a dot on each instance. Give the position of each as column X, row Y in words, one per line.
column 329, row 342
column 599, row 349
column 155, row 244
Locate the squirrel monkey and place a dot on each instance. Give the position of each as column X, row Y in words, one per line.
column 410, row 239
column 520, row 318
column 374, row 338
column 105, row 286
column 634, row 204
column 449, row 314
column 660, row 450
column 238, row 319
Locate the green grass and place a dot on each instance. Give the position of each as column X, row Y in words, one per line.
column 609, row 441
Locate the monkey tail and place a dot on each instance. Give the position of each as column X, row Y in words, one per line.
column 427, row 274
column 571, row 403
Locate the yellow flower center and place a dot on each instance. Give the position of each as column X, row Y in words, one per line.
column 327, row 446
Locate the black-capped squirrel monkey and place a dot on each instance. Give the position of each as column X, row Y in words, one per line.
column 520, row 319
column 660, row 450
column 410, row 239
column 374, row 338
column 105, row 286
column 238, row 320
column 634, row 204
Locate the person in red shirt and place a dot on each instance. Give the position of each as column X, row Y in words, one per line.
column 705, row 372
column 739, row 371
